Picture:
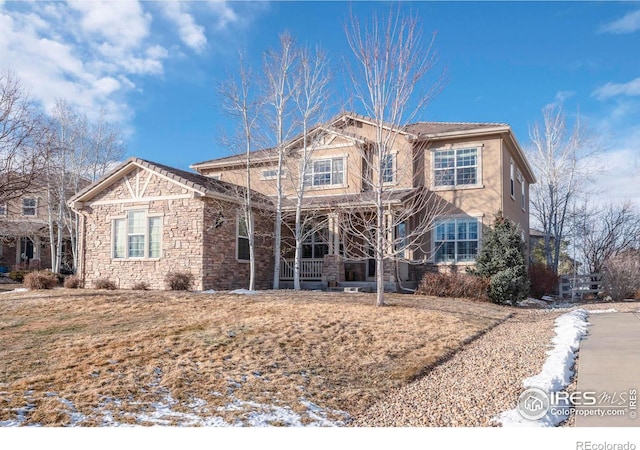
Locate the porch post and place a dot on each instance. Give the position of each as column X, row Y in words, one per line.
column 334, row 234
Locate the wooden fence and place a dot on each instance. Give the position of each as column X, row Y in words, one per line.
column 579, row 285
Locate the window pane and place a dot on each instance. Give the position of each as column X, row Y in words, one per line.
column 462, row 230
column 444, row 177
column 338, row 171
column 136, row 222
column 387, row 169
column 451, row 230
column 466, row 157
column 242, row 227
column 473, row 230
column 446, row 252
column 118, row 238
column 155, row 234
column 243, row 249
column 466, row 175
column 444, row 159
column 136, row 246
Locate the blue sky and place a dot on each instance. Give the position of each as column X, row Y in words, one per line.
column 155, row 65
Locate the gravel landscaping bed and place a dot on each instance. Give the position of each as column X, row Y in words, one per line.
column 481, row 381
column 477, row 383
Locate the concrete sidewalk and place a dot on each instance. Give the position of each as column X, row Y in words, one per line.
column 609, row 365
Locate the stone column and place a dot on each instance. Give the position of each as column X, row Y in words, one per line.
column 333, row 269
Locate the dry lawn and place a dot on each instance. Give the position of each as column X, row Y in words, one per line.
column 110, row 357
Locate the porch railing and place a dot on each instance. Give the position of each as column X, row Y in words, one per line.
column 310, row 269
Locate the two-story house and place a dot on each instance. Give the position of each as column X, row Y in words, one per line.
column 24, row 232
column 145, row 219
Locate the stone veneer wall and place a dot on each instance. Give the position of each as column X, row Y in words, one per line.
column 181, row 245
column 222, row 270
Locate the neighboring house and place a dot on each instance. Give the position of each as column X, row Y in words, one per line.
column 24, row 232
column 145, row 219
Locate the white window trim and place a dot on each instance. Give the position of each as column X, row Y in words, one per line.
column 239, row 215
column 446, row 218
column 523, row 190
column 479, row 146
column 35, row 208
column 345, row 172
column 125, row 217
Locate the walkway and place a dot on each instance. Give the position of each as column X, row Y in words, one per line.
column 609, row 365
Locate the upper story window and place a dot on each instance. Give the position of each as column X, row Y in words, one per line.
column 455, row 167
column 387, row 167
column 325, row 172
column 3, row 209
column 270, row 174
column 137, row 235
column 523, row 187
column 29, row 206
column 512, row 180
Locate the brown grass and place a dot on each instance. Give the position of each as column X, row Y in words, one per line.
column 337, row 350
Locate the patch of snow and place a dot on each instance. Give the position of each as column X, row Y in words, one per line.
column 15, row 290
column 557, row 370
column 602, row 311
column 210, row 291
column 243, row 292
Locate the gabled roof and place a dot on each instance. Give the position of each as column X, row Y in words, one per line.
column 270, row 154
column 205, row 186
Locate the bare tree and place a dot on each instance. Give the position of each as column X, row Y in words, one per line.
column 81, row 152
column 279, row 66
column 557, row 155
column 392, row 61
column 240, row 103
column 621, row 275
column 310, row 98
column 23, row 139
column 605, row 231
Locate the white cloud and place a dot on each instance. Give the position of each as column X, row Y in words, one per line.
column 225, row 14
column 83, row 52
column 190, row 32
column 121, row 23
column 560, row 97
column 93, row 53
column 626, row 24
column 632, row 88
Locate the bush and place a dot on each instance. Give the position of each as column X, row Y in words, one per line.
column 105, row 283
column 502, row 260
column 41, row 279
column 621, row 276
column 179, row 281
column 456, row 285
column 543, row 280
column 140, row 286
column 18, row 275
column 72, row 282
